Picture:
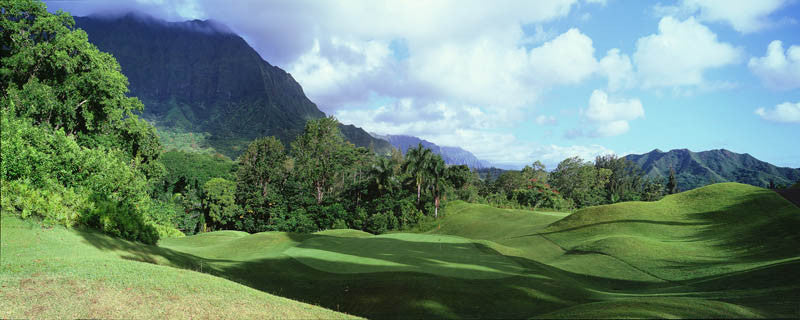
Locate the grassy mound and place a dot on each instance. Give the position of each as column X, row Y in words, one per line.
column 60, row 273
column 709, row 231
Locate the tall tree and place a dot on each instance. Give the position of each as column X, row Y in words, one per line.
column 672, row 183
column 219, row 203
column 318, row 153
column 436, row 180
column 417, row 161
column 626, row 180
column 263, row 169
column 581, row 181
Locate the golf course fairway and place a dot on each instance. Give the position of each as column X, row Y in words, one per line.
column 722, row 251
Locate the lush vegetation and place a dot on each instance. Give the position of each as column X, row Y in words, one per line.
column 74, row 151
column 574, row 183
column 724, row 251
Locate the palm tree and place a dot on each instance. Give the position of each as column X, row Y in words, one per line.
column 436, row 180
column 383, row 175
column 417, row 162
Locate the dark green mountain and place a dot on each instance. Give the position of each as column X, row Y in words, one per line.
column 697, row 169
column 197, row 76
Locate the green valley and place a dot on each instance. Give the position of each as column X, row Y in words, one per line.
column 682, row 256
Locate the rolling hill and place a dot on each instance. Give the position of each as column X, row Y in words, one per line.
column 197, row 76
column 55, row 272
column 722, row 251
column 697, row 169
column 450, row 155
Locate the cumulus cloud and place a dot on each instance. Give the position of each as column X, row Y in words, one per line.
column 744, row 16
column 618, row 69
column 610, row 117
column 777, row 69
column 786, row 112
column 679, row 54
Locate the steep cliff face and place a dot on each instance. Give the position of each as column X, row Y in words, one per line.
column 199, row 76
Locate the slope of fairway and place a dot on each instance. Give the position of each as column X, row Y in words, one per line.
column 714, row 230
column 60, row 273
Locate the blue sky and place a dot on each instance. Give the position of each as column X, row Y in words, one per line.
column 519, row 81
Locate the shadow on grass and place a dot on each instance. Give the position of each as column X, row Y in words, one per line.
column 761, row 227
column 407, row 279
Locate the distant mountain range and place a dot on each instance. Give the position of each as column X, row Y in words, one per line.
column 696, row 169
column 450, row 155
column 200, row 77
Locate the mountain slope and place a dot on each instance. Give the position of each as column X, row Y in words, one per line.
column 198, row 76
column 697, row 169
column 450, row 155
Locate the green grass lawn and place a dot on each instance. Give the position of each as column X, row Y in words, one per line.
column 722, row 251
column 59, row 273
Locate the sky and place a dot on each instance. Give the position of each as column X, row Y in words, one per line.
column 518, row 81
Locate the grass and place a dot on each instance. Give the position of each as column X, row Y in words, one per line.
column 60, row 273
column 723, row 251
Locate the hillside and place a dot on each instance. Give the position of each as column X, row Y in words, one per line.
column 197, row 76
column 59, row 273
column 697, row 169
column 450, row 155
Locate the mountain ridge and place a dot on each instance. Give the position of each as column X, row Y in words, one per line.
column 450, row 154
column 696, row 169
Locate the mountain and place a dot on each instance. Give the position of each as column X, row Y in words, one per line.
column 198, row 76
column 450, row 155
column 696, row 169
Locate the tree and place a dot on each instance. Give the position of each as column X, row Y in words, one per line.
column 319, row 154
column 672, row 183
column 55, row 77
column 581, row 181
column 626, row 180
column 219, row 201
column 436, row 175
column 382, row 175
column 263, row 169
column 417, row 161
column 536, row 171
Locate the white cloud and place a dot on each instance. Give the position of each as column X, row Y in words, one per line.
column 551, row 155
column 786, row 112
column 776, row 69
column 546, row 120
column 745, row 16
column 618, row 69
column 680, row 53
column 611, row 117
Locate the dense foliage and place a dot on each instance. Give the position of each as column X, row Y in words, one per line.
column 73, row 150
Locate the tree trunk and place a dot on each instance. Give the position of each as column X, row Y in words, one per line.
column 436, row 211
column 319, row 194
column 419, row 186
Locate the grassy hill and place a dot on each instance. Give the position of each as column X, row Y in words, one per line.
column 59, row 273
column 723, row 251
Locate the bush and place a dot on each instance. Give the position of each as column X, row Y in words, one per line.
column 119, row 219
column 56, row 205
